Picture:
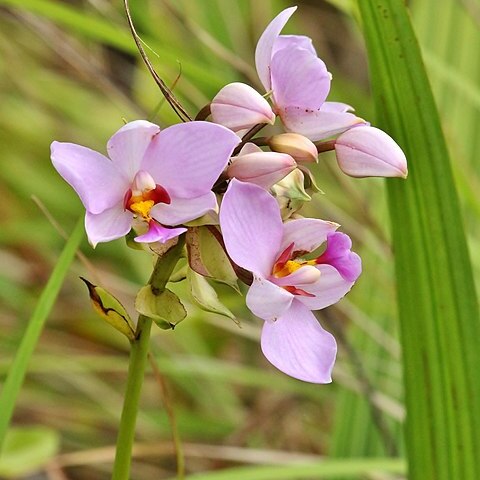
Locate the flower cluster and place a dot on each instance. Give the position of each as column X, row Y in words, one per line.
column 236, row 196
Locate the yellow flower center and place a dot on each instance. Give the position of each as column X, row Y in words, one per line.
column 289, row 267
column 141, row 207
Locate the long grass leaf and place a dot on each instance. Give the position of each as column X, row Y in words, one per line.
column 18, row 369
column 325, row 469
column 437, row 302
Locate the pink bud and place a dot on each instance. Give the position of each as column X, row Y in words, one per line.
column 299, row 147
column 239, row 107
column 253, row 165
column 366, row 151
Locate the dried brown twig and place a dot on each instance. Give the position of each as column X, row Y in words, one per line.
column 167, row 93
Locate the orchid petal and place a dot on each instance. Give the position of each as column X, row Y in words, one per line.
column 366, row 151
column 249, row 148
column 290, row 41
column 93, row 176
column 265, row 45
column 339, row 255
column 182, row 210
column 303, row 276
column 266, row 300
column 251, row 226
column 108, row 225
column 306, row 233
column 336, row 107
column 158, row 233
column 238, row 106
column 299, row 78
column 317, row 124
column 261, row 168
column 329, row 289
column 127, row 147
column 297, row 345
column 187, row 158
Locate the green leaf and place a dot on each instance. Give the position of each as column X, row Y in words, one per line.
column 207, row 256
column 438, row 307
column 205, row 295
column 165, row 309
column 18, row 369
column 110, row 309
column 27, row 449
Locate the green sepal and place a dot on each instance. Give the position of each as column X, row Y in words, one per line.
column 310, row 184
column 205, row 296
column 207, row 256
column 131, row 243
column 165, row 309
column 110, row 309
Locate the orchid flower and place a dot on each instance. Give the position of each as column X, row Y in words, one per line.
column 289, row 68
column 286, row 287
column 154, row 179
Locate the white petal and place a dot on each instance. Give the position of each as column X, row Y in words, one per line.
column 306, row 233
column 127, row 147
column 266, row 300
column 109, row 225
column 182, row 210
column 297, row 345
column 93, row 176
column 317, row 124
column 251, row 226
column 329, row 289
column 264, row 50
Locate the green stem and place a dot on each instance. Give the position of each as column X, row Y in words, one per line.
column 136, row 371
column 18, row 369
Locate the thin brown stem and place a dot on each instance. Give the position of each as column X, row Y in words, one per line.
column 167, row 93
column 204, row 113
column 325, row 146
column 246, row 138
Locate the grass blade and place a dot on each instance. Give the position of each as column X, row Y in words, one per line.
column 18, row 369
column 437, row 300
column 325, row 469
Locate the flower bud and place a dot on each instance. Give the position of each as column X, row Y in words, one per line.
column 299, row 147
column 264, row 169
column 290, row 193
column 239, row 107
column 366, row 151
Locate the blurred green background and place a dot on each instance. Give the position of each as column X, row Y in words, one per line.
column 69, row 71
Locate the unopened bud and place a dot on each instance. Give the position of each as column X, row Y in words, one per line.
column 239, row 107
column 299, row 147
column 366, row 151
column 264, row 169
column 290, row 193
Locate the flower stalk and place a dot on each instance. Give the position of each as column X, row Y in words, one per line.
column 136, row 371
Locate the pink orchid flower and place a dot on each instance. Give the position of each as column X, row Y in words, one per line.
column 289, row 68
column 156, row 179
column 285, row 286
